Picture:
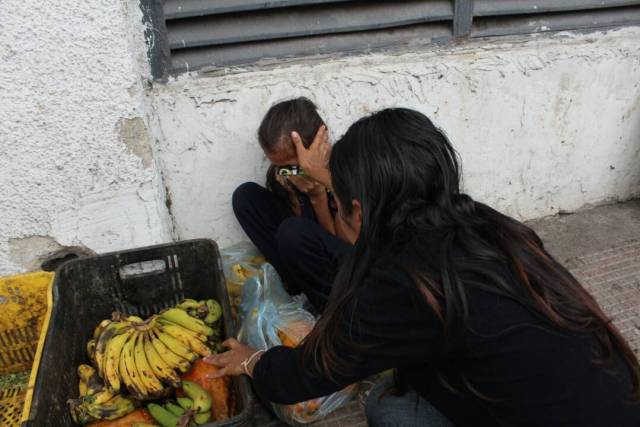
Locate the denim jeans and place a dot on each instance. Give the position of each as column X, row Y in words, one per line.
column 384, row 409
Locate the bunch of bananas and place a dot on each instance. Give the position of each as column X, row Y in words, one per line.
column 142, row 356
column 96, row 402
column 195, row 408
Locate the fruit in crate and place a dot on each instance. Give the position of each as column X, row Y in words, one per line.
column 143, row 357
column 97, row 402
column 195, row 409
column 219, row 389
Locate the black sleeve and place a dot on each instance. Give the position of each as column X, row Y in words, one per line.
column 389, row 315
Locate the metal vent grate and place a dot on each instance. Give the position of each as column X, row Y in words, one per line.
column 188, row 35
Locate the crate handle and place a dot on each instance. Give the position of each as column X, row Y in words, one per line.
column 144, row 268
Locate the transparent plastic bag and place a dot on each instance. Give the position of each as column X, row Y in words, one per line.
column 270, row 317
column 239, row 262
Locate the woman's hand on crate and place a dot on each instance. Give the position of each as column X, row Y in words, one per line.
column 239, row 360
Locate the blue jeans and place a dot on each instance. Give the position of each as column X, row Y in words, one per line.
column 384, row 409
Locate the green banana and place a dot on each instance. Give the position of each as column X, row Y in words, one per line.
column 162, row 416
column 215, row 312
column 187, row 304
column 176, row 410
column 182, row 318
column 185, row 402
column 176, row 346
column 201, row 398
column 202, row 417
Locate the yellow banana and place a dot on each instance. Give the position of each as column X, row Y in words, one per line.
column 123, row 370
column 90, row 383
column 111, row 330
column 132, row 369
column 201, row 398
column 182, row 318
column 147, row 376
column 188, row 338
column 115, row 408
column 160, row 368
column 176, row 346
column 200, row 337
column 101, row 397
column 167, row 355
column 91, row 351
column 112, row 359
column 98, row 330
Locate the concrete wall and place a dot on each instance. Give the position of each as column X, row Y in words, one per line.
column 76, row 167
column 91, row 154
column 543, row 124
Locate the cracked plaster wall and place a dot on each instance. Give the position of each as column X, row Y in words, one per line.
column 543, row 124
column 76, row 169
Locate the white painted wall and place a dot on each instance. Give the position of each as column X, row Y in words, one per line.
column 543, row 124
column 72, row 138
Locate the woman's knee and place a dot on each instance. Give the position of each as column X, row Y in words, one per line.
column 291, row 235
column 244, row 197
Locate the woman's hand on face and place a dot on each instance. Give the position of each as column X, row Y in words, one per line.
column 307, row 186
column 230, row 361
column 315, row 159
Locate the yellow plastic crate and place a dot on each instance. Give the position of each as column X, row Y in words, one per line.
column 25, row 305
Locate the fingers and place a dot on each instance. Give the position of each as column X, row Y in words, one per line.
column 219, row 374
column 321, row 135
column 231, row 343
column 297, row 142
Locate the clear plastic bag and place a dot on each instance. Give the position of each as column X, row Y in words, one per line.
column 239, row 262
column 270, row 317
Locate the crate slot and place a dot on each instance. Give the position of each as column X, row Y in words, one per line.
column 144, row 268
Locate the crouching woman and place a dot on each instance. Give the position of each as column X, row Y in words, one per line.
column 481, row 325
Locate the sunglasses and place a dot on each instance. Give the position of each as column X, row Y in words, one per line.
column 292, row 170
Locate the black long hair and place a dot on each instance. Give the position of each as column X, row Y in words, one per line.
column 274, row 133
column 406, row 175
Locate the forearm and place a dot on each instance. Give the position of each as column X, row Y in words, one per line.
column 320, row 206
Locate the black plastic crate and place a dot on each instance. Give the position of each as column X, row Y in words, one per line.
column 140, row 282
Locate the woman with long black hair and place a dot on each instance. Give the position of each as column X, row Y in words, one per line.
column 482, row 326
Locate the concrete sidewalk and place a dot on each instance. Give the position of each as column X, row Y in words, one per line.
column 600, row 246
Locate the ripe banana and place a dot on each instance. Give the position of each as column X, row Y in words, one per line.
column 160, row 368
column 90, row 383
column 111, row 330
column 181, row 318
column 101, row 397
column 176, row 346
column 188, row 338
column 162, row 416
column 111, row 360
column 91, row 351
column 147, row 377
column 176, row 410
column 98, row 330
column 200, row 337
column 167, row 355
column 201, row 398
column 124, row 369
column 115, row 408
